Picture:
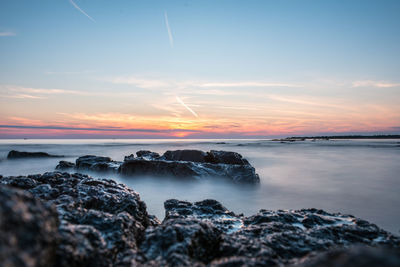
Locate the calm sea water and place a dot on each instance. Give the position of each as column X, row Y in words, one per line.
column 359, row 177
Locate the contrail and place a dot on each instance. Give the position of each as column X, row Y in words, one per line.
column 183, row 104
column 171, row 39
column 80, row 10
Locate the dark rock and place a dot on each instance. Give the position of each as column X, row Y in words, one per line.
column 102, row 223
column 185, row 155
column 100, row 220
column 225, row 157
column 13, row 154
column 269, row 238
column 98, row 164
column 28, row 229
column 191, row 164
column 65, row 165
column 358, row 256
column 158, row 168
column 146, row 154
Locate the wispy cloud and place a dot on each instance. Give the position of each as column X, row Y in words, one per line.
column 188, row 108
column 139, row 82
column 68, row 72
column 108, row 129
column 5, row 34
column 371, row 83
column 22, row 96
column 158, row 83
column 171, row 39
column 80, row 10
column 248, row 84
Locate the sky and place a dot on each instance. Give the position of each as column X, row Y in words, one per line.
column 198, row 69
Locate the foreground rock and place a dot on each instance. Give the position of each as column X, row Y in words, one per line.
column 191, row 164
column 75, row 220
column 28, row 229
column 207, row 233
column 13, row 154
column 99, row 219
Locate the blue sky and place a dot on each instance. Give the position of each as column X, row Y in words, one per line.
column 298, row 50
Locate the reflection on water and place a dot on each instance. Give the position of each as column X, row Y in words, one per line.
column 360, row 177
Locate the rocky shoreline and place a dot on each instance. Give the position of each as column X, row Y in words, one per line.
column 63, row 219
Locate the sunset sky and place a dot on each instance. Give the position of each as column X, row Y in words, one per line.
column 198, row 69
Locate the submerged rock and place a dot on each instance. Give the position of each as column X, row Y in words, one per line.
column 28, row 229
column 13, row 154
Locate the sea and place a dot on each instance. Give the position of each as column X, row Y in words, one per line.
column 359, row 177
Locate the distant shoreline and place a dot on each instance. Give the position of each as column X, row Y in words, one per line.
column 297, row 138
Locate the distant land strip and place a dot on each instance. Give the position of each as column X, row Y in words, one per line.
column 381, row 136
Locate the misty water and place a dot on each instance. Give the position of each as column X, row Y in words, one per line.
column 359, row 177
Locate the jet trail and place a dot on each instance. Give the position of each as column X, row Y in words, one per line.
column 80, row 10
column 171, row 39
column 183, row 104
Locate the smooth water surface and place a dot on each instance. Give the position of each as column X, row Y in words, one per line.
column 359, row 177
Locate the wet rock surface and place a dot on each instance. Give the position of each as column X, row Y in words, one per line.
column 102, row 223
column 28, row 229
column 99, row 219
column 268, row 238
column 97, row 164
column 189, row 164
column 65, row 165
column 13, row 154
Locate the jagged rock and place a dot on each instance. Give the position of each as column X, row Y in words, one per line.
column 13, row 154
column 146, row 154
column 225, row 157
column 102, row 223
column 98, row 164
column 185, row 155
column 268, row 238
column 191, row 164
column 28, row 229
column 65, row 165
column 100, row 220
column 358, row 256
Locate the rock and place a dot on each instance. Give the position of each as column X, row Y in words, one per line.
column 193, row 164
column 158, row 168
column 146, row 154
column 185, row 155
column 13, row 154
column 67, row 219
column 98, row 164
column 65, row 165
column 357, row 256
column 269, row 238
column 28, row 229
column 225, row 157
column 100, row 220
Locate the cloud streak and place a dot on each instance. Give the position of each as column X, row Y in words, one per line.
column 379, row 84
column 171, row 39
column 188, row 108
column 80, row 10
column 108, row 129
column 5, row 34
